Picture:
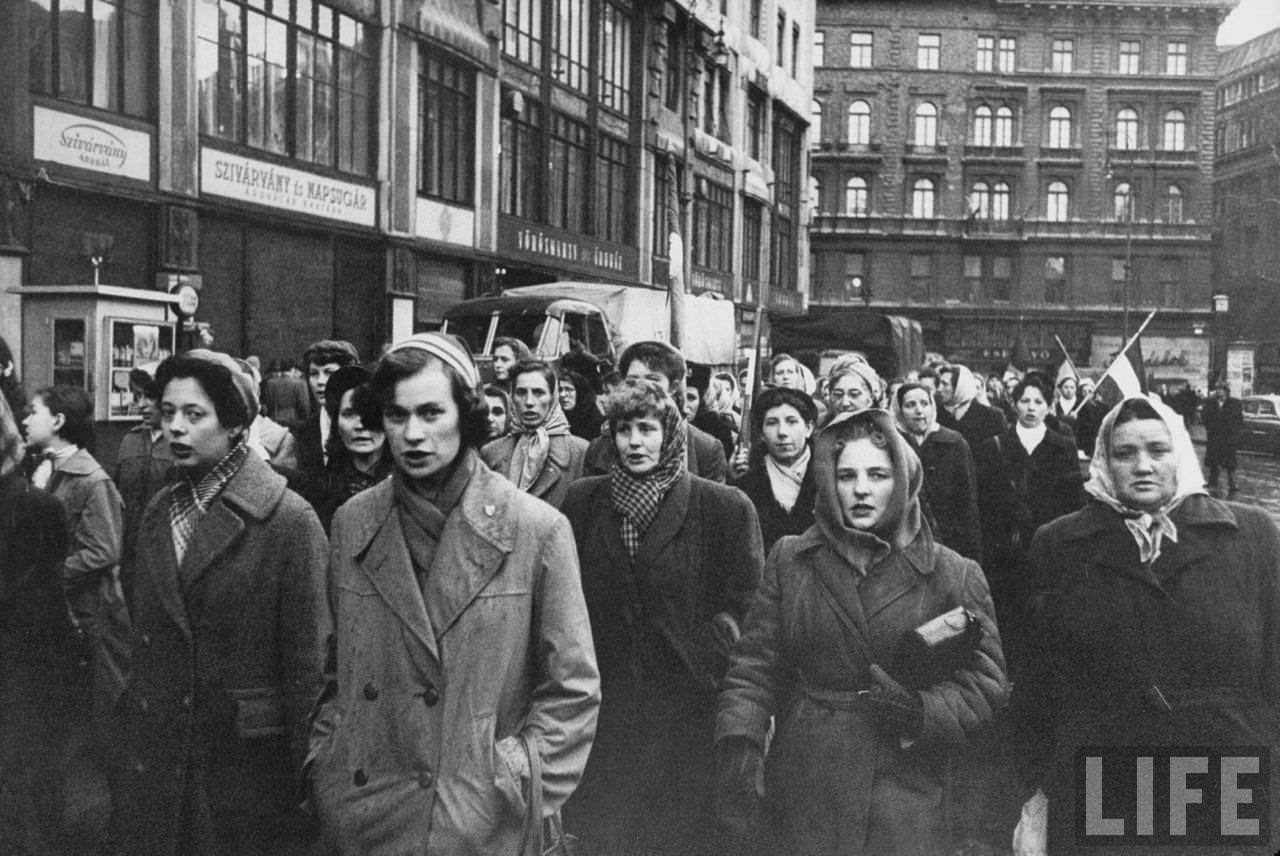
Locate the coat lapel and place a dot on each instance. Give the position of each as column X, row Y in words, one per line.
column 837, row 585
column 672, row 513
column 473, row 546
column 218, row 530
column 155, row 542
column 389, row 568
column 552, row 469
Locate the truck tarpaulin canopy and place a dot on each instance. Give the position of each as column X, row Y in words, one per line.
column 893, row 344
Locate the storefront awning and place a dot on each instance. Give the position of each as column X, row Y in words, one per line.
column 453, row 22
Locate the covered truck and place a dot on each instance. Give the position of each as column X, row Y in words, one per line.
column 599, row 318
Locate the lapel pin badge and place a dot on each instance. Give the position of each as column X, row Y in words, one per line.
column 490, row 509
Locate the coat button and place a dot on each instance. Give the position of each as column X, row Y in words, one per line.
column 146, row 640
column 431, row 696
column 371, row 691
column 144, row 705
column 360, row 779
column 425, row 779
column 186, row 701
column 139, row 767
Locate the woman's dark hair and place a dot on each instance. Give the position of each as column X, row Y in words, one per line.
column 395, row 366
column 908, row 386
column 519, row 349
column 776, row 396
column 659, row 357
column 1134, row 409
column 340, row 382
column 532, row 366
column 1036, row 380
column 216, row 381
column 860, row 427
column 76, row 407
column 142, row 380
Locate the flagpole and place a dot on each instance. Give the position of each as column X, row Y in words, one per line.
column 1066, row 354
column 1123, row 351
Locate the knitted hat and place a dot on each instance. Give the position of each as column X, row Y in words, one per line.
column 240, row 376
column 450, row 350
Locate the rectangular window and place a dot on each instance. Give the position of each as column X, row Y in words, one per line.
column 570, row 43
column 612, row 222
column 786, row 169
column 256, row 58
column 1119, row 275
column 780, row 44
column 522, row 31
column 819, row 48
column 986, row 57
column 755, row 123
column 666, row 209
column 1175, row 58
column 855, row 276
column 520, row 162
column 673, row 69
column 713, row 226
column 795, row 50
column 96, row 52
column 1129, row 57
column 1002, row 278
column 568, row 159
column 757, row 19
column 1055, row 279
column 446, row 117
column 1170, row 283
column 972, row 288
column 921, row 278
column 615, row 58
column 860, row 50
column 1063, row 56
column 928, row 51
column 715, row 101
column 1007, row 59
column 752, row 239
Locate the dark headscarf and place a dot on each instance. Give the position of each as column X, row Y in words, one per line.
column 585, row 418
column 902, row 520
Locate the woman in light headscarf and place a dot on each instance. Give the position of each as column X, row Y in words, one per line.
column 670, row 562
column 858, row 760
column 961, row 410
column 852, row 386
column 1156, row 608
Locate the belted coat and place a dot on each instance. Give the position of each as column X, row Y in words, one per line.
column 404, row 755
column 228, row 659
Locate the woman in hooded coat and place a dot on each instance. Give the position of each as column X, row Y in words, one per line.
column 857, row 762
column 1156, row 608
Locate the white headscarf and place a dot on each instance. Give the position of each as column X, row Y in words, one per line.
column 1148, row 528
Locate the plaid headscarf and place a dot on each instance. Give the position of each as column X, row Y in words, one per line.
column 188, row 502
column 637, row 498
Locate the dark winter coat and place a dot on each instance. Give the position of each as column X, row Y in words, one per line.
column 978, row 423
column 775, row 521
column 649, row 783
column 565, row 456
column 228, row 657
column 142, row 466
column 950, row 491
column 1183, row 652
column 1223, row 423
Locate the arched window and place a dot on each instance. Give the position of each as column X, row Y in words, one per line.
column 922, row 198
column 1060, row 128
column 856, row 197
column 1122, row 207
column 1001, row 196
column 1127, row 129
column 1059, row 202
column 815, row 122
column 1173, row 204
column 982, row 125
column 980, row 201
column 926, row 126
column 1004, row 126
column 815, row 195
column 859, row 123
column 1174, row 138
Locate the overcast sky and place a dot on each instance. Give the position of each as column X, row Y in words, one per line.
column 1251, row 18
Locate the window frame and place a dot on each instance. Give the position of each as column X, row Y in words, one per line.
column 857, row 120
column 861, row 55
column 1062, row 49
column 129, row 55
column 1173, row 130
column 1061, row 129
column 857, row 196
column 924, row 199
column 819, row 48
column 929, row 56
column 1129, row 56
column 1177, row 57
column 454, row 107
column 1057, row 201
column 924, row 124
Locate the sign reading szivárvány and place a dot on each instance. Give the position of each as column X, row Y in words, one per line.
column 262, row 183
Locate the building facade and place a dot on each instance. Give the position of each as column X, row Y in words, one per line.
column 1007, row 171
column 1247, row 201
column 351, row 168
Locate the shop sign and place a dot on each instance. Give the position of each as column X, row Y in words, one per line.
column 450, row 224
column 261, row 183
column 91, row 144
column 784, row 301
column 703, row 280
column 555, row 248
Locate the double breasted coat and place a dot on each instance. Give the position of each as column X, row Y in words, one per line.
column 565, row 456
column 404, row 756
column 838, row 782
column 1181, row 652
column 228, row 659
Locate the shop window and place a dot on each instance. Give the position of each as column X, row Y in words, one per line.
column 256, row 59
column 446, row 119
column 95, row 52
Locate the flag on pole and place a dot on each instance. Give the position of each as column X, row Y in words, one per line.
column 1125, row 377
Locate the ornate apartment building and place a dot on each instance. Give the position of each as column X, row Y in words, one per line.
column 1002, row 170
column 1247, row 199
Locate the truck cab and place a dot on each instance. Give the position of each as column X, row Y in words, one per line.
column 550, row 326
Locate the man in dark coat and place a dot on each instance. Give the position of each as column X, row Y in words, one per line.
column 285, row 396
column 1223, row 421
column 665, row 366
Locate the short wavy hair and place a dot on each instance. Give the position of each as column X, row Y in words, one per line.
column 777, row 396
column 76, row 407
column 637, row 398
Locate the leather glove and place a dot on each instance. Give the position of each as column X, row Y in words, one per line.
column 895, row 705
column 739, row 784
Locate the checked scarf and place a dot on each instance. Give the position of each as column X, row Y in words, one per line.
column 637, row 498
column 188, row 502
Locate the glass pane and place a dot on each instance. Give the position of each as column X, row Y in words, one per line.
column 106, row 55
column 304, row 112
column 40, row 40
column 137, row 61
column 73, row 51
column 324, row 103
column 69, row 363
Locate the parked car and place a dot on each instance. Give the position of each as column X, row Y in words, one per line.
column 1261, row 423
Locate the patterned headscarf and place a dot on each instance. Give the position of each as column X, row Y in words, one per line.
column 856, row 364
column 1148, row 528
column 637, row 498
column 534, row 442
column 189, row 502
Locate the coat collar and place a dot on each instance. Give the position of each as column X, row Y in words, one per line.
column 559, row 456
column 81, row 463
column 671, row 516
